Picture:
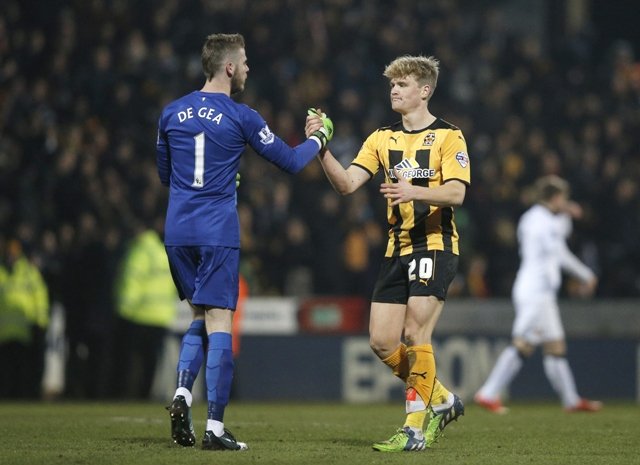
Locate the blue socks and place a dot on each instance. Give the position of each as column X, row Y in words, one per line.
column 219, row 374
column 191, row 354
column 219, row 366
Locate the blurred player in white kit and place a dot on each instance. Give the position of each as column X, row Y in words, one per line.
column 542, row 233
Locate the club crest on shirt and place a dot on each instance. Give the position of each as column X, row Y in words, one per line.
column 429, row 139
column 463, row 159
column 266, row 136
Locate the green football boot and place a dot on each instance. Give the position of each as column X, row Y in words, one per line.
column 438, row 422
column 403, row 441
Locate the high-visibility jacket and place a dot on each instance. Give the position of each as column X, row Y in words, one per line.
column 24, row 301
column 145, row 293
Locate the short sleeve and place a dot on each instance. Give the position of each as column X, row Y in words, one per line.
column 367, row 157
column 455, row 158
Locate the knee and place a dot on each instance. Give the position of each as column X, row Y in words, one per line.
column 555, row 349
column 382, row 346
column 411, row 338
column 416, row 334
column 524, row 349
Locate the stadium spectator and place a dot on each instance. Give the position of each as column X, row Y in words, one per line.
column 85, row 289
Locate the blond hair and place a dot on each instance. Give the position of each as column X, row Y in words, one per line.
column 424, row 69
column 216, row 49
column 547, row 187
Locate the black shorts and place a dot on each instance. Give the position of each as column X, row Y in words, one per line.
column 420, row 274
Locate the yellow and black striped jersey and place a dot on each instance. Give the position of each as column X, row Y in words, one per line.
column 427, row 157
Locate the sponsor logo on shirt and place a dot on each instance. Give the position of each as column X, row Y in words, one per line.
column 410, row 169
column 266, row 136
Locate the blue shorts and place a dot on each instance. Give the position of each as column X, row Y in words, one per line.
column 206, row 275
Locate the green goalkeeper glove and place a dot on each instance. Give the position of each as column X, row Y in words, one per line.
column 325, row 133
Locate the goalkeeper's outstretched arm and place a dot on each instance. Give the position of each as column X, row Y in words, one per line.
column 343, row 181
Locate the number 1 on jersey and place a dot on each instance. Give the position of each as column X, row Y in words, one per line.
column 198, row 172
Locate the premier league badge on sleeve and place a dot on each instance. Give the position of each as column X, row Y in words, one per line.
column 463, row 159
column 266, row 136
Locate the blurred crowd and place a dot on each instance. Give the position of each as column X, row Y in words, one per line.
column 82, row 84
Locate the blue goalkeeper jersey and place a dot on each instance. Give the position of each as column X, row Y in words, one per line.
column 201, row 138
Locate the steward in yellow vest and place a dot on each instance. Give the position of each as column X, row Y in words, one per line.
column 24, row 316
column 145, row 293
column 147, row 304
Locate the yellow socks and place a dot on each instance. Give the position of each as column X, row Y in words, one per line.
column 440, row 394
column 420, row 382
column 398, row 362
column 417, row 367
column 416, row 420
column 422, row 371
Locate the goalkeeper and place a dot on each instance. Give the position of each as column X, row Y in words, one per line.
column 201, row 138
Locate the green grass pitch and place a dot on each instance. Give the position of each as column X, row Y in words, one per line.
column 314, row 433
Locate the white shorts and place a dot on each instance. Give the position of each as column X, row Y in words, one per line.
column 537, row 319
